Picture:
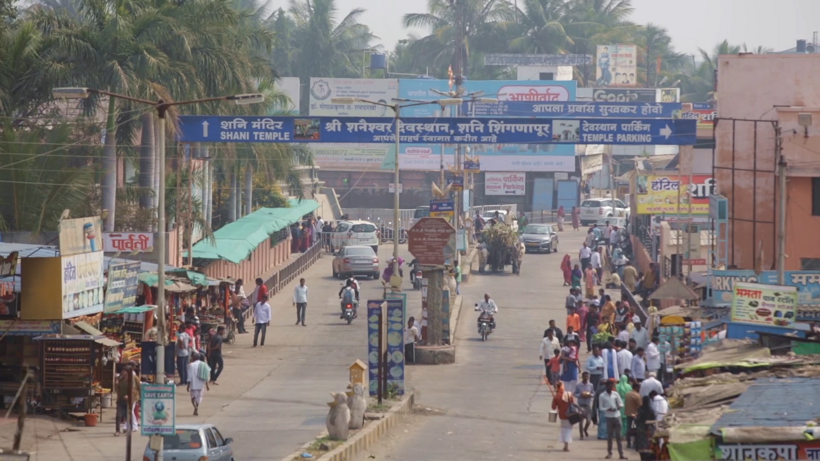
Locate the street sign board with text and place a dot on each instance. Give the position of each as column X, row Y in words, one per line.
column 432, row 241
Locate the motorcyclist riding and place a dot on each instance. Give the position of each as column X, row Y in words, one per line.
column 349, row 294
column 488, row 309
column 413, row 269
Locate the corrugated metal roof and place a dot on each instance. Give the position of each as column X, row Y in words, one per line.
column 236, row 241
column 772, row 402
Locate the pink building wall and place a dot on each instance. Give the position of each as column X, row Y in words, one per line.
column 749, row 89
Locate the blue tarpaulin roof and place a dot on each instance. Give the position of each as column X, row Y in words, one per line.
column 773, row 402
column 237, row 240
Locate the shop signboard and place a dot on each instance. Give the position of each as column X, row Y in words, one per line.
column 792, row 450
column 764, row 304
column 627, row 95
column 442, row 209
column 505, row 184
column 323, row 90
column 128, row 242
column 574, row 109
column 806, row 282
column 658, row 194
column 29, row 327
column 541, row 60
column 354, row 157
column 158, row 409
column 455, row 181
column 472, row 166
column 80, row 235
column 8, row 264
column 617, row 65
column 83, row 280
column 123, row 279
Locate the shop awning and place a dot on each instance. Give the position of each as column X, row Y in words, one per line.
column 237, row 240
column 87, row 328
column 96, row 338
column 135, row 310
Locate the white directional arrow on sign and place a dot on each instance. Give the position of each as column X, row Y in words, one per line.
column 666, row 131
column 205, row 129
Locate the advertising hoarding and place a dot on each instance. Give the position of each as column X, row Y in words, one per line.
column 323, row 90
column 123, row 279
column 158, row 409
column 83, row 280
column 617, row 65
column 505, row 184
column 764, row 304
column 658, row 194
column 80, row 235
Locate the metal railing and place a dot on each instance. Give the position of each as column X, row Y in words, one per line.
column 544, row 217
column 377, row 215
column 280, row 279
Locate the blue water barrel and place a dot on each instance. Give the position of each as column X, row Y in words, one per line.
column 378, row 61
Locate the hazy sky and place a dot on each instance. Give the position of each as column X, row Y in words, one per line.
column 775, row 24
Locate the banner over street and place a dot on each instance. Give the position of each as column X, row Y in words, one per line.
column 245, row 129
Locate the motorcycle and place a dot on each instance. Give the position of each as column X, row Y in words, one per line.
column 416, row 277
column 486, row 325
column 349, row 311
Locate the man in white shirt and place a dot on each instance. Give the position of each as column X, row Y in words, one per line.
column 183, row 351
column 411, row 335
column 611, row 403
column 638, row 367
column 640, row 334
column 653, row 355
column 614, row 237
column 595, row 262
column 651, row 384
column 659, row 405
column 195, row 383
column 487, row 308
column 624, row 357
column 584, row 255
column 261, row 319
column 300, row 300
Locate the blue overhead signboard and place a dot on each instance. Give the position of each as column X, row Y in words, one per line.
column 572, row 109
column 488, row 130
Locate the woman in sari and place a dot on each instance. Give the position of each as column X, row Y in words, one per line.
column 561, row 401
column 569, row 359
column 590, row 280
column 576, row 276
column 576, row 218
column 623, row 388
column 582, row 315
column 561, row 215
column 566, row 268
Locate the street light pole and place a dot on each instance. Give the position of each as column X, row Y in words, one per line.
column 162, row 109
column 396, row 227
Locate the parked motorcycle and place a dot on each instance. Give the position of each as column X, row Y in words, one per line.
column 416, row 277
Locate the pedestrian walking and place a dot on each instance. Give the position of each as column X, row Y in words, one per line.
column 561, row 402
column 300, row 300
column 566, row 268
column 458, row 277
column 595, row 366
column 632, row 405
column 610, row 402
column 584, row 254
column 236, row 309
column 198, row 374
column 411, row 335
column 630, row 277
column 644, row 430
column 576, row 218
column 183, row 351
column 584, row 393
column 653, row 356
column 125, row 412
column 215, row 360
column 261, row 319
column 569, row 356
column 597, row 266
column 577, row 275
column 561, row 215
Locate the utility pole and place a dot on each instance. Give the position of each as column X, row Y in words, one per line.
column 781, row 212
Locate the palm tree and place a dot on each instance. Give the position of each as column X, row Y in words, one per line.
column 39, row 181
column 542, row 23
column 482, row 22
column 655, row 44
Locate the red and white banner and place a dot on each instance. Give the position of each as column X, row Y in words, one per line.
column 128, row 242
column 505, row 183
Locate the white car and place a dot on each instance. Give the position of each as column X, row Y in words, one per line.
column 596, row 208
column 502, row 216
column 355, row 233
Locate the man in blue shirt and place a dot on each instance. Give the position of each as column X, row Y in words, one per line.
column 595, row 366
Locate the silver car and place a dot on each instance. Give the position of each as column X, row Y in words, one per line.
column 194, row 442
column 356, row 260
column 540, row 237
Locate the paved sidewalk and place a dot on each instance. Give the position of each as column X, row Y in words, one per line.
column 270, row 399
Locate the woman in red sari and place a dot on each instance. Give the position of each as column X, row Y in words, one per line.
column 566, row 268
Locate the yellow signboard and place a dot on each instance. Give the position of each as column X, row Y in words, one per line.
column 658, row 194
